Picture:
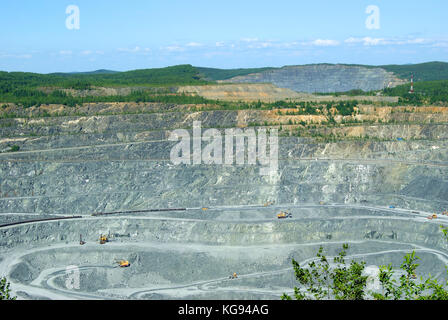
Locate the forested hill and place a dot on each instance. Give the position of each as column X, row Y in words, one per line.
column 176, row 75
column 429, row 71
column 181, row 75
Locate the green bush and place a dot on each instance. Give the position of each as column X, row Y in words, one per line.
column 320, row 281
column 5, row 292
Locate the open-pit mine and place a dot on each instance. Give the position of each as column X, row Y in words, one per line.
column 92, row 207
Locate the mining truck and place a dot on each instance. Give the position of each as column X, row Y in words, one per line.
column 123, row 263
column 284, row 215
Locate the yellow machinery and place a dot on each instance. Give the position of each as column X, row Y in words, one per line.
column 103, row 239
column 233, row 276
column 269, row 203
column 123, row 263
column 204, row 209
column 284, row 215
column 434, row 216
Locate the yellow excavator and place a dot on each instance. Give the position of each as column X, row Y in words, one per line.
column 233, row 276
column 284, row 215
column 103, row 239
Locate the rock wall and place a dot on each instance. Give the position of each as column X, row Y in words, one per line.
column 323, row 78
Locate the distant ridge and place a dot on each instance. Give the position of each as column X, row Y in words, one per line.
column 428, row 71
column 100, row 71
column 322, row 77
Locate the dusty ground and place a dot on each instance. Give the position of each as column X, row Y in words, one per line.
column 268, row 93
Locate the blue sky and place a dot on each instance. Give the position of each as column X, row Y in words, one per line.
column 125, row 35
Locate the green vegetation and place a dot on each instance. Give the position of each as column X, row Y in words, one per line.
column 176, row 75
column 223, row 74
column 30, row 89
column 14, row 148
column 30, row 98
column 320, row 281
column 424, row 92
column 153, row 85
column 5, row 292
column 323, row 282
column 429, row 71
column 351, row 93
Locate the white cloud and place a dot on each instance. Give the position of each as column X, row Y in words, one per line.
column 352, row 40
column 17, row 56
column 136, row 49
column 367, row 41
column 261, row 45
column 289, row 44
column 65, row 52
column 249, row 39
column 219, row 44
column 325, row 42
column 416, row 41
column 174, row 48
column 440, row 44
column 194, row 44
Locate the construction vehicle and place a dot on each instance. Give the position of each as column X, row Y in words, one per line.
column 321, row 203
column 434, row 216
column 204, row 209
column 269, row 203
column 123, row 263
column 81, row 242
column 233, row 276
column 103, row 239
column 284, row 215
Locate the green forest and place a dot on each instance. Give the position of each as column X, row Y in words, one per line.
column 170, row 76
column 424, row 92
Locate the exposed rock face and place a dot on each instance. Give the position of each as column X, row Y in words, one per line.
column 267, row 93
column 97, row 162
column 109, row 157
column 246, row 92
column 324, row 78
